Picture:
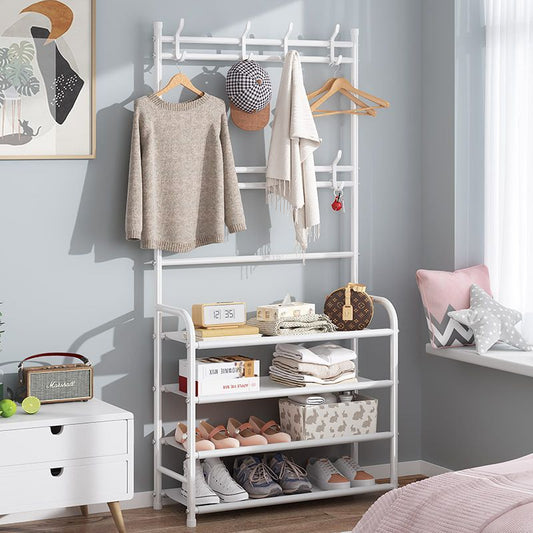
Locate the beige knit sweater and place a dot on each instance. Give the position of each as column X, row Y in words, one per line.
column 182, row 185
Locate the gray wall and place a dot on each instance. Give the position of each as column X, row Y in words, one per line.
column 470, row 415
column 469, row 131
column 70, row 282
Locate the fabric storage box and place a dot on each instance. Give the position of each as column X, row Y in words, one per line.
column 304, row 422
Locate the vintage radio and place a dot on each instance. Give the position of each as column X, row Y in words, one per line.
column 57, row 383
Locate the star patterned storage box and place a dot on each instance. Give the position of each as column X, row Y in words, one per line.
column 329, row 420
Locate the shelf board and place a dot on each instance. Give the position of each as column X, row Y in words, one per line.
column 271, row 389
column 282, row 446
column 503, row 357
column 315, row 494
column 221, row 342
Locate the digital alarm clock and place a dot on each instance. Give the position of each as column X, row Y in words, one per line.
column 219, row 314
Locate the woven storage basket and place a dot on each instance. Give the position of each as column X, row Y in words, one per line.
column 350, row 308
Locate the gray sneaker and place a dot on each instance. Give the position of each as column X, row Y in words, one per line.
column 255, row 477
column 292, row 478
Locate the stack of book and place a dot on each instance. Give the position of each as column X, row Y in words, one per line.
column 234, row 331
column 222, row 375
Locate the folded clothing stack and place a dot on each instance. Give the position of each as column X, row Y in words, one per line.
column 301, row 325
column 325, row 364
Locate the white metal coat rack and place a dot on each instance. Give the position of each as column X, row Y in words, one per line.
column 336, row 53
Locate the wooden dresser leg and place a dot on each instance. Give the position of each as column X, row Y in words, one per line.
column 116, row 513
column 84, row 510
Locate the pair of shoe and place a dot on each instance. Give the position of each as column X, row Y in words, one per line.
column 256, row 432
column 262, row 479
column 213, row 483
column 207, row 437
column 341, row 474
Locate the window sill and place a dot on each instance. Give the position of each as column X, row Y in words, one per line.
column 502, row 358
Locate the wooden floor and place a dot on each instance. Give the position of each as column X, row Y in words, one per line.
column 322, row 516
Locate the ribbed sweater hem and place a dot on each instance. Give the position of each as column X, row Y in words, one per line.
column 133, row 235
column 234, row 228
column 180, row 247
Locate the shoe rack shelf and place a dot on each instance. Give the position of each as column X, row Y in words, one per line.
column 335, row 53
column 270, row 389
column 315, row 494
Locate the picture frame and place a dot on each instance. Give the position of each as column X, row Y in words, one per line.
column 47, row 79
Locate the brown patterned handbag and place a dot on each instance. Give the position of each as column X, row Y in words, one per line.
column 350, row 308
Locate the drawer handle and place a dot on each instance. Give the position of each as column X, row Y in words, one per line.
column 56, row 430
column 56, row 472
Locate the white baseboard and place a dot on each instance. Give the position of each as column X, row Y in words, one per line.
column 144, row 499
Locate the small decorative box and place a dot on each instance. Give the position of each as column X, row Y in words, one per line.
column 220, row 375
column 286, row 309
column 329, row 420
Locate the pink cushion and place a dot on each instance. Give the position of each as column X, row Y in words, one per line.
column 442, row 292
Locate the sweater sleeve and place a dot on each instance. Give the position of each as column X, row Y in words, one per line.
column 233, row 211
column 134, row 203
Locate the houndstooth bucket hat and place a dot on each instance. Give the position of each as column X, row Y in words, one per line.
column 249, row 91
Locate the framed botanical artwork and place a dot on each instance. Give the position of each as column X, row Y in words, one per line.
column 47, row 79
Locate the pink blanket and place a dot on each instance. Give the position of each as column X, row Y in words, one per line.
column 489, row 499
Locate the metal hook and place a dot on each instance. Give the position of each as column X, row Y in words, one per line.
column 336, row 186
column 243, row 39
column 250, row 56
column 332, row 45
column 286, row 40
column 182, row 56
column 177, row 38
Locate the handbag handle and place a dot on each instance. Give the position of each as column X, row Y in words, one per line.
column 347, row 309
column 82, row 358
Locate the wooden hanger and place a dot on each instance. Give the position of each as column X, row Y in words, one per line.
column 343, row 86
column 177, row 80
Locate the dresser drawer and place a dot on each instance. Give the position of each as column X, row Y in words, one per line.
column 57, row 443
column 63, row 484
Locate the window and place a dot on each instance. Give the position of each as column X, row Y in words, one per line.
column 509, row 151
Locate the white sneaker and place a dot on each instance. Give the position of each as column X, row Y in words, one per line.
column 219, row 480
column 350, row 469
column 204, row 495
column 324, row 475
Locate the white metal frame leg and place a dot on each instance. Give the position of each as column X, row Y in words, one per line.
column 191, row 418
column 158, row 416
column 393, row 321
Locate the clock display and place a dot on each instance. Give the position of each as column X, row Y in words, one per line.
column 219, row 314
column 224, row 314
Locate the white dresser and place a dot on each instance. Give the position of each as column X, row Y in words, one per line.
column 67, row 454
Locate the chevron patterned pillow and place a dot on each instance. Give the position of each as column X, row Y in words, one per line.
column 443, row 292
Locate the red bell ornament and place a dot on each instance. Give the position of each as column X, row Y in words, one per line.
column 337, row 203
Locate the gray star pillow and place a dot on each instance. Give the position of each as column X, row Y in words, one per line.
column 490, row 321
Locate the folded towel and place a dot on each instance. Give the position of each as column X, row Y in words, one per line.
column 313, row 369
column 303, row 399
column 304, row 378
column 294, row 383
column 322, row 354
column 290, row 170
column 302, row 325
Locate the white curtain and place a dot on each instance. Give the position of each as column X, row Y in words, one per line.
column 509, row 151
